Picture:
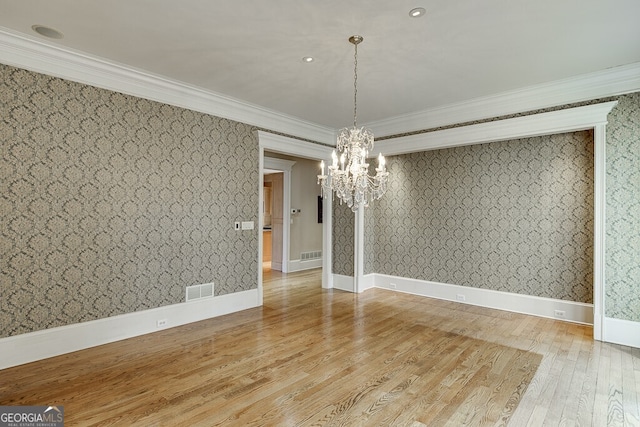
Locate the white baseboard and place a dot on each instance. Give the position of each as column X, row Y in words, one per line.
column 526, row 304
column 298, row 265
column 368, row 282
column 25, row 348
column 348, row 283
column 623, row 332
column 344, row 283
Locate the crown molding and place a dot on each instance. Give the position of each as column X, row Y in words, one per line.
column 293, row 147
column 21, row 51
column 601, row 84
column 553, row 122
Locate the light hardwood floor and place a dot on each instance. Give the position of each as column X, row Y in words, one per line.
column 319, row 357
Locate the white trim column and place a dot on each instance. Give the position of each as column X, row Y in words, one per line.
column 260, row 222
column 599, row 230
column 327, row 242
column 358, row 249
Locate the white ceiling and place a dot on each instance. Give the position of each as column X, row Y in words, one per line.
column 252, row 50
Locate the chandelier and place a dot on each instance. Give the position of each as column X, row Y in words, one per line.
column 350, row 179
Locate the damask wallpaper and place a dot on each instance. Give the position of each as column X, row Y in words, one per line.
column 111, row 204
column 514, row 216
column 370, row 237
column 342, row 235
column 622, row 242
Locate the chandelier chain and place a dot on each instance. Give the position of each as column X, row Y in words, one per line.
column 355, row 86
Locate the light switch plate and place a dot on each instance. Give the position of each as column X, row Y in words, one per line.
column 247, row 225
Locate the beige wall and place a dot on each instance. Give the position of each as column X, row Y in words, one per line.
column 305, row 231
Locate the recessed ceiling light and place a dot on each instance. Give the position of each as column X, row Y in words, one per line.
column 47, row 31
column 307, row 59
column 417, row 12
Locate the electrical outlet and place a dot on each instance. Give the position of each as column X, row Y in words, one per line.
column 460, row 297
column 236, row 225
column 560, row 314
column 392, row 286
column 161, row 323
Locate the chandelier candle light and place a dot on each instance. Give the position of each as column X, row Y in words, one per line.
column 350, row 180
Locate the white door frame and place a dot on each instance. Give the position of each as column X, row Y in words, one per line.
column 285, row 167
column 293, row 147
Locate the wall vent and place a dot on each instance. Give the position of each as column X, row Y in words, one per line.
column 199, row 291
column 306, row 256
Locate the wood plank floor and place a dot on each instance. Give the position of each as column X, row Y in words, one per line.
column 319, row 357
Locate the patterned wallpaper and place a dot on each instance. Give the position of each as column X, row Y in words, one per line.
column 622, row 242
column 370, row 236
column 343, row 239
column 514, row 216
column 111, row 204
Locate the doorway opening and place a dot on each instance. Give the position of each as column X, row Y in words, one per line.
column 306, row 235
column 272, row 219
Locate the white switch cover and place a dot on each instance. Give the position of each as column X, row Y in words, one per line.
column 247, row 225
